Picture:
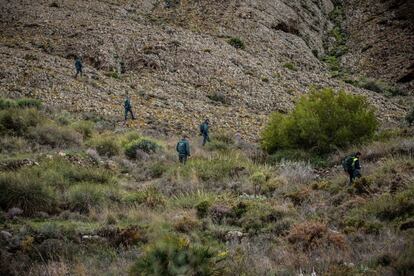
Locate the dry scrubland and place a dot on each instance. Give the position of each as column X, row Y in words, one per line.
column 79, row 197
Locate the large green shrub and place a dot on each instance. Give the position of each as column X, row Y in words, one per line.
column 322, row 121
column 173, row 255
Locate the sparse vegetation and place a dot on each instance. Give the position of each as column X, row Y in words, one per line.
column 290, row 66
column 226, row 210
column 237, row 43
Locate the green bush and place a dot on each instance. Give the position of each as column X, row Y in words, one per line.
column 107, row 146
column 236, row 43
column 322, row 121
column 202, row 208
column 290, row 66
column 145, row 145
column 25, row 192
column 173, row 255
column 18, row 121
column 29, row 103
column 20, row 103
column 7, row 103
column 410, row 117
column 85, row 128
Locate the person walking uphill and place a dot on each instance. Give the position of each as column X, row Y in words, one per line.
column 128, row 108
column 204, row 129
column 352, row 166
column 183, row 149
column 78, row 67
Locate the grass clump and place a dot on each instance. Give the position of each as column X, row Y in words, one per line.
column 17, row 122
column 321, row 122
column 290, row 66
column 20, row 103
column 26, row 193
column 237, row 43
column 55, row 136
column 82, row 197
column 174, row 255
column 106, row 146
column 85, row 128
column 151, row 197
column 213, row 169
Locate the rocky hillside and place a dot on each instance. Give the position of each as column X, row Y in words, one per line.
column 181, row 61
column 381, row 40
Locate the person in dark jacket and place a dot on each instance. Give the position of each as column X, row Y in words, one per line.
column 204, row 131
column 128, row 108
column 183, row 149
column 78, row 67
column 354, row 167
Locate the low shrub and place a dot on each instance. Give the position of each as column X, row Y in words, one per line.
column 11, row 144
column 20, row 103
column 237, row 43
column 54, row 136
column 173, row 255
column 85, row 128
column 151, row 197
column 146, row 145
column 311, row 235
column 29, row 103
column 290, row 66
column 106, row 146
column 17, row 121
column 321, row 122
column 26, row 193
column 202, row 208
column 7, row 103
column 214, row 169
column 82, row 197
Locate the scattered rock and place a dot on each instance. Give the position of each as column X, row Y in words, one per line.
column 233, row 235
column 6, row 235
column 14, row 212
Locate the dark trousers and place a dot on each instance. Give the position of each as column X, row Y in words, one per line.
column 205, row 138
column 182, row 158
column 129, row 110
column 78, row 71
column 353, row 174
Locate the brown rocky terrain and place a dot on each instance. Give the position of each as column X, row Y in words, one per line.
column 174, row 59
column 381, row 41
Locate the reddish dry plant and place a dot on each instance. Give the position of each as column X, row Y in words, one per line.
column 311, row 235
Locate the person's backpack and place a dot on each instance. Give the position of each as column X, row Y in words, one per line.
column 181, row 147
column 347, row 163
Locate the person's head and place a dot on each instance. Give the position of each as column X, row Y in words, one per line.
column 184, row 136
column 358, row 154
column 207, row 121
column 126, row 96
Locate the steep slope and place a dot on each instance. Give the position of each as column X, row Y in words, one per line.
column 381, row 40
column 173, row 57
